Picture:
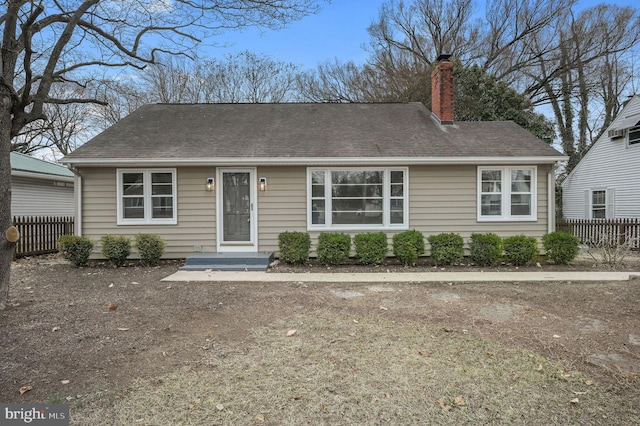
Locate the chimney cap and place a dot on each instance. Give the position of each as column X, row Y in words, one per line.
column 444, row 57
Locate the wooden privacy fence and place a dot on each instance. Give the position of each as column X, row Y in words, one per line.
column 39, row 234
column 615, row 231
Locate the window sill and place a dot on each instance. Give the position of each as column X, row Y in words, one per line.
column 146, row 223
column 336, row 228
column 507, row 219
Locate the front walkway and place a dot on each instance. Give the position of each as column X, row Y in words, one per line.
column 226, row 276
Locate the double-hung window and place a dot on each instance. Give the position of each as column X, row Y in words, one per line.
column 506, row 193
column 599, row 204
column 357, row 198
column 147, row 197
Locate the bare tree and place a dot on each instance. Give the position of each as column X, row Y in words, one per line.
column 577, row 63
column 47, row 42
column 244, row 77
column 584, row 76
column 64, row 127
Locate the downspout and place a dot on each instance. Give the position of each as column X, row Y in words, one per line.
column 77, row 192
column 551, row 202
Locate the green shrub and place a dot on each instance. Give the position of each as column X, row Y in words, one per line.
column 561, row 247
column 371, row 247
column 294, row 247
column 520, row 250
column 150, row 248
column 446, row 249
column 75, row 249
column 116, row 248
column 408, row 246
column 485, row 249
column 333, row 248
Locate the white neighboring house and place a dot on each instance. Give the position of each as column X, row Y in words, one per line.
column 605, row 184
column 40, row 188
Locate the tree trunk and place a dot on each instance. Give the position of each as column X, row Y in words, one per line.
column 6, row 248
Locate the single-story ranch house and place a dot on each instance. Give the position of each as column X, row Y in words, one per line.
column 231, row 177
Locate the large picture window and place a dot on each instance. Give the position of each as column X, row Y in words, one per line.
column 357, row 198
column 506, row 193
column 146, row 196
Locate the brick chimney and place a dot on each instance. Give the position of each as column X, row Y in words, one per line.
column 442, row 91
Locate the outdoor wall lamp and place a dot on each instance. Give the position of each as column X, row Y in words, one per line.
column 263, row 184
column 211, row 184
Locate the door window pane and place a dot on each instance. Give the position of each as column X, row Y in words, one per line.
column 236, row 206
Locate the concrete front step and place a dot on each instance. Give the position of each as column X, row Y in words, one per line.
column 228, row 262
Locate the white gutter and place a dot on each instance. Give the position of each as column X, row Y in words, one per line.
column 551, row 214
column 78, row 188
column 551, row 202
column 297, row 161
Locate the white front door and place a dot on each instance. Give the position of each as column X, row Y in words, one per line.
column 236, row 200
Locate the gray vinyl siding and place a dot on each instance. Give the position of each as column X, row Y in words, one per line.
column 283, row 207
column 444, row 199
column 41, row 197
column 441, row 199
column 612, row 165
column 196, row 212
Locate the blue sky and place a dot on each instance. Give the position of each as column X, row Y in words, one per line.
column 339, row 31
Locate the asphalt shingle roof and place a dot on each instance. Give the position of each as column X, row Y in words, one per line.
column 313, row 131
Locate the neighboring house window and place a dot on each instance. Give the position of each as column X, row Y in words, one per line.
column 599, row 204
column 634, row 135
column 357, row 198
column 147, row 197
column 506, row 193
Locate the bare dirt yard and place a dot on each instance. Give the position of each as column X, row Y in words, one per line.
column 123, row 347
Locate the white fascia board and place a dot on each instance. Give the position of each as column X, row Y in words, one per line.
column 392, row 161
column 42, row 176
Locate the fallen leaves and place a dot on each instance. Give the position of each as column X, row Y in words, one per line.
column 25, row 389
column 458, row 401
column 291, row 332
column 112, row 307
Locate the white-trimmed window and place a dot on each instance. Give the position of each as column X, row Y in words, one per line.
column 507, row 193
column 357, row 198
column 147, row 197
column 599, row 203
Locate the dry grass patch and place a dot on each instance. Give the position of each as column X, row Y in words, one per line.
column 340, row 369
